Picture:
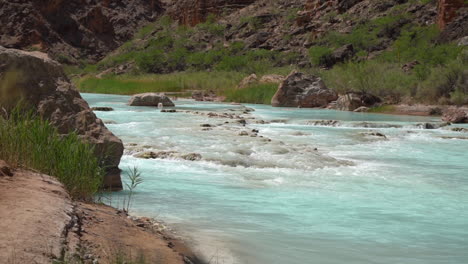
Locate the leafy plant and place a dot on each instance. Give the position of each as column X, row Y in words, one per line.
column 134, row 176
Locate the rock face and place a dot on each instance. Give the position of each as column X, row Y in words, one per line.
column 455, row 115
column 447, row 11
column 42, row 84
column 301, row 90
column 74, row 28
column 353, row 101
column 150, row 99
column 272, row 78
column 192, row 12
column 251, row 79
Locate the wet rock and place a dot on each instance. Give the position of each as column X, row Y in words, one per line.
column 42, row 83
column 332, row 123
column 301, row 90
column 459, row 129
column 104, row 109
column 192, row 156
column 150, row 99
column 242, row 122
column 168, row 155
column 156, row 155
column 361, row 109
column 5, row 169
column 432, row 125
column 243, row 133
column 455, row 115
column 453, row 137
column 206, row 125
column 110, row 122
column 353, row 101
column 168, row 111
column 376, row 125
column 373, row 134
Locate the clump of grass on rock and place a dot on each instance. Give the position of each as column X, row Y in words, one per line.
column 29, row 141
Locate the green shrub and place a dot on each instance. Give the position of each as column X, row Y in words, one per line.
column 29, row 141
column 320, row 55
column 418, row 43
column 382, row 79
column 152, row 61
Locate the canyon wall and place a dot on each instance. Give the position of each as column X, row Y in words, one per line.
column 448, row 11
column 192, row 12
column 73, row 29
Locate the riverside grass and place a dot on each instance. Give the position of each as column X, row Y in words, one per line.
column 29, row 141
column 224, row 83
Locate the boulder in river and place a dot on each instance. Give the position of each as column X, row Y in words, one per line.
column 150, row 99
column 302, row 90
column 102, row 108
column 40, row 82
column 455, row 115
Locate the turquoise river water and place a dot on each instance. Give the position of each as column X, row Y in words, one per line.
column 315, row 193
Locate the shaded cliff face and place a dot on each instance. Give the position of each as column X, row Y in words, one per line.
column 73, row 29
column 448, row 11
column 192, row 12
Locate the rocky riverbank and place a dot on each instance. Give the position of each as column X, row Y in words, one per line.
column 41, row 224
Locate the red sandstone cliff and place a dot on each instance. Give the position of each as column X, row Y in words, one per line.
column 192, row 12
column 73, row 29
column 448, row 11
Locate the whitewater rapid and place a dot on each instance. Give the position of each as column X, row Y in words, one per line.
column 289, row 188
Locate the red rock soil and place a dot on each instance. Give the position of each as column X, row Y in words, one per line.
column 39, row 223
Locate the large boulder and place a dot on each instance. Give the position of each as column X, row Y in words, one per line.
column 354, row 100
column 455, row 115
column 41, row 83
column 302, row 90
column 150, row 99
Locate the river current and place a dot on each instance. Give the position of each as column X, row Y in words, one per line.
column 368, row 188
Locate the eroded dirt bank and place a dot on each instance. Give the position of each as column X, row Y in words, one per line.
column 39, row 223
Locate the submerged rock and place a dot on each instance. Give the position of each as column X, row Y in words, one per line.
column 459, row 129
column 42, row 84
column 376, row 125
column 102, row 108
column 301, row 90
column 192, row 156
column 432, row 125
column 332, row 123
column 168, row 155
column 150, row 99
column 374, row 134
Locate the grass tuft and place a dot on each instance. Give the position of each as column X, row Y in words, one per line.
column 29, row 141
